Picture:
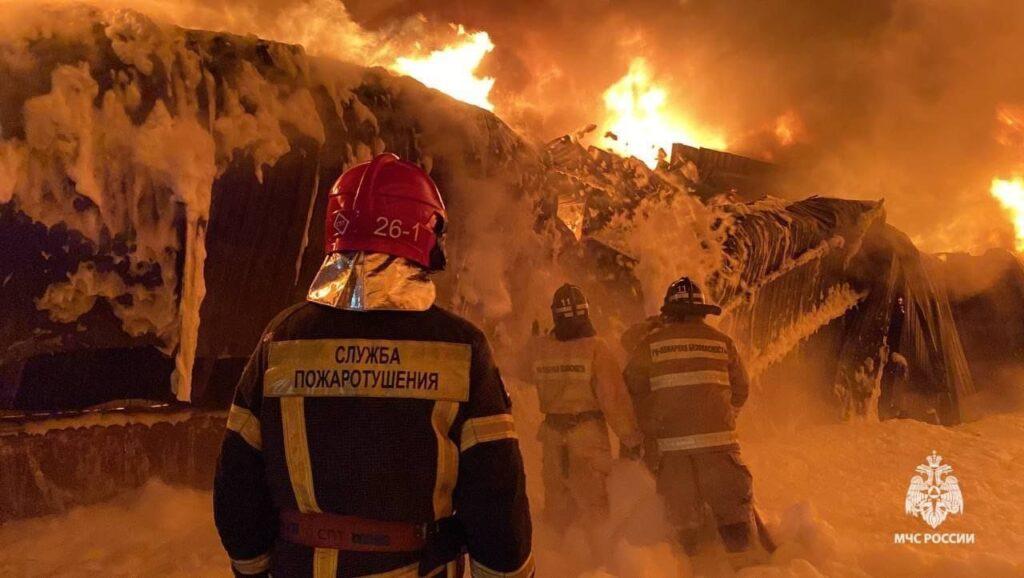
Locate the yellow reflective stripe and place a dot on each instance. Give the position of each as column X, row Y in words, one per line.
column 697, row 441
column 300, row 472
column 689, row 349
column 245, row 424
column 252, row 565
column 368, row 368
column 325, row 563
column 296, row 452
column 479, row 430
column 441, row 419
column 410, row 571
column 524, row 571
column 689, row 378
column 413, row 571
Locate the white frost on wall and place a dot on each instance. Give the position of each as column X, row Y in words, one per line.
column 836, row 303
column 84, row 162
column 150, row 311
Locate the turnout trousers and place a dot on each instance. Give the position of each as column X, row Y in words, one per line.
column 577, row 459
column 716, row 480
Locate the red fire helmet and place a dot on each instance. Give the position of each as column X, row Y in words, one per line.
column 387, row 206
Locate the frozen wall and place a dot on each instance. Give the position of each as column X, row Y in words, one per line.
column 152, row 177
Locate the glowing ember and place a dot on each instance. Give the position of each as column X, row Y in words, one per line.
column 1010, row 194
column 638, row 122
column 452, row 69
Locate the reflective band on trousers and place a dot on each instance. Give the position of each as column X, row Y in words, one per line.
column 256, row 565
column 413, row 571
column 689, row 378
column 527, row 570
column 300, row 473
column 698, row 441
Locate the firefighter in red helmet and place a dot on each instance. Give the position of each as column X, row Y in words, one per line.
column 370, row 433
column 688, row 383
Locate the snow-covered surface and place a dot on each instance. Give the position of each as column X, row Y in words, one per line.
column 834, row 495
column 158, row 531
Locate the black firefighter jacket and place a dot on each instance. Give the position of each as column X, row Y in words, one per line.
column 385, row 415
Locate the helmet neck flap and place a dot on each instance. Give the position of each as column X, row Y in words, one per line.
column 383, row 235
column 361, row 281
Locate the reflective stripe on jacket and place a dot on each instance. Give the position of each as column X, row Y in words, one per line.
column 385, row 415
column 686, row 378
column 580, row 376
column 564, row 374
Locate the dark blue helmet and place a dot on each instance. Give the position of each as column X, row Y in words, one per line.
column 684, row 297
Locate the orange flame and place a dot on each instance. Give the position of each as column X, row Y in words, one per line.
column 642, row 125
column 452, row 69
column 1010, row 194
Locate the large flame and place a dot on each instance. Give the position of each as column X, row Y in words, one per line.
column 1010, row 194
column 452, row 69
column 639, row 122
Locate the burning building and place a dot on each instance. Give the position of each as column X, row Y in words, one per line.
column 160, row 186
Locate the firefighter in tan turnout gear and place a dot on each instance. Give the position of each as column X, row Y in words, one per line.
column 688, row 383
column 581, row 392
column 370, row 434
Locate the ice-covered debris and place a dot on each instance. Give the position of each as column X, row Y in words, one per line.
column 141, row 310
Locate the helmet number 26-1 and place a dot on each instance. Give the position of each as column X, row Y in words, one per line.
column 393, row 229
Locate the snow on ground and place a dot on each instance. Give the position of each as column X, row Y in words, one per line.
column 839, row 492
column 834, row 495
column 156, row 531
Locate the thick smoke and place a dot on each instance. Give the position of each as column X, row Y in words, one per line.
column 885, row 98
column 908, row 100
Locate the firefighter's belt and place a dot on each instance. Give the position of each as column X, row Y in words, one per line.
column 698, row 441
column 567, row 421
column 352, row 533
